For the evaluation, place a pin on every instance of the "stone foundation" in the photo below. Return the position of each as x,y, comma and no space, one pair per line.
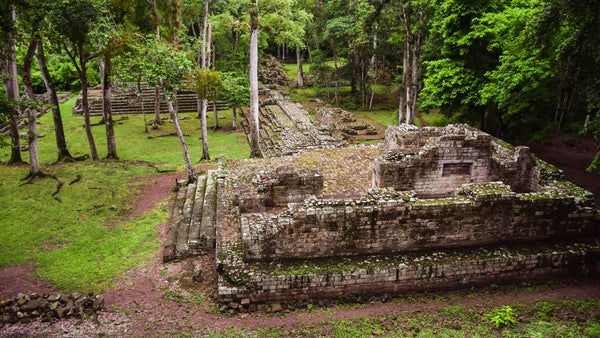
449,207
433,270
380,223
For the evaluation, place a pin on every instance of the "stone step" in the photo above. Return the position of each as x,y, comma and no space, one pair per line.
208,223
169,252
181,246
192,227
195,245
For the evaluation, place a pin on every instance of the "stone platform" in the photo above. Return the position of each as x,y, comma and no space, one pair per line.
323,223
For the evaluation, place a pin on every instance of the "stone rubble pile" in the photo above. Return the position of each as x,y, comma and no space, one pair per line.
28,307
344,122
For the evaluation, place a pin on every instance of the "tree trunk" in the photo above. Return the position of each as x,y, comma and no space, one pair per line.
111,144
234,123
82,72
208,45
141,98
34,161
61,142
373,67
215,115
401,105
186,155
299,63
335,68
406,71
204,33
157,120
156,22
204,129
254,127
416,54
11,87
155,17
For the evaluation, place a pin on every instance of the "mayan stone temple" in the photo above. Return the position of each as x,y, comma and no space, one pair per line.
431,208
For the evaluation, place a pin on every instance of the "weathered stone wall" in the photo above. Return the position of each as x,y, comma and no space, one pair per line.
482,214
422,271
436,161
285,185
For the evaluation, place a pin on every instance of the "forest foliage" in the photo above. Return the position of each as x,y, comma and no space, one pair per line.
518,69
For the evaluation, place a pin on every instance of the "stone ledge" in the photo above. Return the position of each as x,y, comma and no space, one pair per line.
431,270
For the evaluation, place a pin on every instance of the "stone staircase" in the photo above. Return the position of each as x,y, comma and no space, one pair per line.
193,219
286,128
127,102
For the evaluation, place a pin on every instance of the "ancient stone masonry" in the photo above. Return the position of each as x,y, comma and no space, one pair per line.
477,211
343,122
431,208
435,161
127,102
271,72
286,127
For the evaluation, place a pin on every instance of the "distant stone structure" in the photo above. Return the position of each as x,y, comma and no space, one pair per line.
343,122
447,208
126,101
286,127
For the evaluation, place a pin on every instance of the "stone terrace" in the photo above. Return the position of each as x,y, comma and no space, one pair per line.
345,238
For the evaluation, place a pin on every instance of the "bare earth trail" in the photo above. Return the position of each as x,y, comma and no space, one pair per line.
163,299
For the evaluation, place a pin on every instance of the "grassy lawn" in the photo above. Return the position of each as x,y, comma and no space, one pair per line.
79,242
133,143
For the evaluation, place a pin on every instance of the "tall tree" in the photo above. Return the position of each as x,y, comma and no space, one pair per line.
8,59
73,21
59,132
204,102
34,161
254,127
457,60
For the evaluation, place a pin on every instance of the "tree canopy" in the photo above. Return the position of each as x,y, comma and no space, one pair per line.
519,69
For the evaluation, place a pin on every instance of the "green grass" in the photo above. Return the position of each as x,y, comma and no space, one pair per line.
133,143
448,321
77,243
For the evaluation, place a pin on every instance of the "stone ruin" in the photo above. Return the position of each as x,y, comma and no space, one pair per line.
432,208
126,101
286,127
271,72
343,122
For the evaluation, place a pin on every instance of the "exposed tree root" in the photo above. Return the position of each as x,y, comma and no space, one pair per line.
165,135
58,187
77,179
71,159
111,191
29,180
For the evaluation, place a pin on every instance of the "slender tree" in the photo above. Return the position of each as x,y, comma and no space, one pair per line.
8,59
61,141
254,128
34,161
73,21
